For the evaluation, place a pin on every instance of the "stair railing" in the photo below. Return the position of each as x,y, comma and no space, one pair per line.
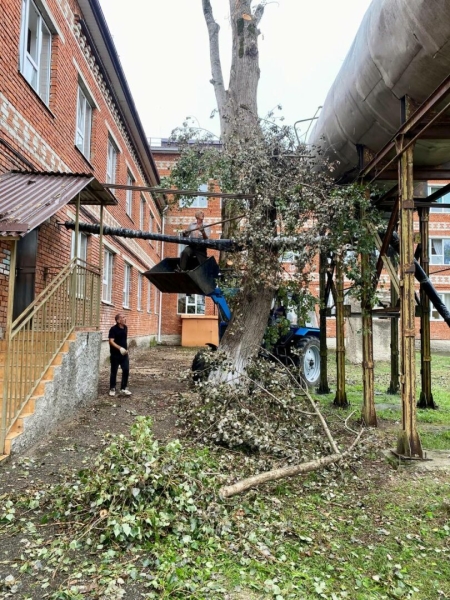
71,300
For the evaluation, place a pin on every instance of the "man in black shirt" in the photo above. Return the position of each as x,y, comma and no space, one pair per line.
119,355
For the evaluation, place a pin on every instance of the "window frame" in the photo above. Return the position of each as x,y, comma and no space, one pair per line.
126,285
198,201
149,297
107,275
446,302
139,292
196,304
129,195
445,242
142,207
111,161
40,78
431,190
85,131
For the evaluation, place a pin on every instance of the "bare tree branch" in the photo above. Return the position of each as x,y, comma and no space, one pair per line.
275,474
216,66
258,14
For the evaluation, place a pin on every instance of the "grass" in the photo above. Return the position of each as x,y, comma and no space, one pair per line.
364,531
433,425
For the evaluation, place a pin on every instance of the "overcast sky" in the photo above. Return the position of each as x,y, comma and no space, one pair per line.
163,48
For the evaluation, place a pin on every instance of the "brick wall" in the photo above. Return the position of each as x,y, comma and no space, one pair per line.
45,137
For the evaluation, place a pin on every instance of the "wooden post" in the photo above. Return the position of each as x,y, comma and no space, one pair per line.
409,441
323,385
74,278
426,395
341,395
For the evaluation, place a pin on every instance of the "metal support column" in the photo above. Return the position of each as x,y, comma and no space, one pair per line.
368,413
426,395
100,267
323,385
394,385
409,441
341,395
9,320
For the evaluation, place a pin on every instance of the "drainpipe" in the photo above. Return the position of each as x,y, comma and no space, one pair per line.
163,222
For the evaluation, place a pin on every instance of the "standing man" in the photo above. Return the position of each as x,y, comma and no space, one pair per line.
195,230
118,347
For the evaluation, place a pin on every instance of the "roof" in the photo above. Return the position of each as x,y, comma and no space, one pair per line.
27,199
99,35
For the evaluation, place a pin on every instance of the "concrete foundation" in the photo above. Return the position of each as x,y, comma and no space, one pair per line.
381,340
75,382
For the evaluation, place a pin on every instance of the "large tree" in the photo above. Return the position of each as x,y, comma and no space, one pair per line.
292,202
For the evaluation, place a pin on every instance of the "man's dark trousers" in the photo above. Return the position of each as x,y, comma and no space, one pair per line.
116,362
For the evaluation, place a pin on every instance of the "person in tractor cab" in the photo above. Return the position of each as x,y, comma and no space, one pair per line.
195,230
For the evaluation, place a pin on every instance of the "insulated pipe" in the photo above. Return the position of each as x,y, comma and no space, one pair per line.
225,245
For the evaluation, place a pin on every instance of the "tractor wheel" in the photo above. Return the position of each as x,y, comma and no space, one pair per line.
200,365
309,360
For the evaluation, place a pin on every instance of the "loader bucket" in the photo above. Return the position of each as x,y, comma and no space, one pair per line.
200,280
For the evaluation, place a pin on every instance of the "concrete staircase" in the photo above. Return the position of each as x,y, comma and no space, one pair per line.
29,408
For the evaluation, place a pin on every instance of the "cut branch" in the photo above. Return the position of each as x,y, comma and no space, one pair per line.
275,474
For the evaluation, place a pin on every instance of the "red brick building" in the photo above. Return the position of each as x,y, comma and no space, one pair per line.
68,130
65,106
177,309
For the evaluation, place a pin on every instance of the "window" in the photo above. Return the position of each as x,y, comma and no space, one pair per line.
142,214
129,197
35,50
192,304
139,292
84,120
158,243
111,162
126,285
82,246
197,201
440,251
149,297
289,257
157,299
445,297
108,261
151,223
443,200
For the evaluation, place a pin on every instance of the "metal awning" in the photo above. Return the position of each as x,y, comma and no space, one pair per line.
27,199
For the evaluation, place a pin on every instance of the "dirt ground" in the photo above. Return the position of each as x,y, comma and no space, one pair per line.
155,383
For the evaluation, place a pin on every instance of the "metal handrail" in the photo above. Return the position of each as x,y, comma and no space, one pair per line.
37,335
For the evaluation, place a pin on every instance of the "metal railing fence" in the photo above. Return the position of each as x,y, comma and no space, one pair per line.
71,300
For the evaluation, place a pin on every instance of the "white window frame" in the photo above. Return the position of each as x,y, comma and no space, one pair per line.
194,304
149,297
444,199
129,195
439,259
111,161
139,292
142,207
82,246
198,201
107,277
84,123
126,285
36,51
445,297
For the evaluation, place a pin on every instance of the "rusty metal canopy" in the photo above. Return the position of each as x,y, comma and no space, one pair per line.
27,199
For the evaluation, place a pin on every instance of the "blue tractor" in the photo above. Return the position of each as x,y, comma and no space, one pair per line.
298,347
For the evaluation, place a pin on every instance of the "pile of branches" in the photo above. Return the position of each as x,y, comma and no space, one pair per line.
270,415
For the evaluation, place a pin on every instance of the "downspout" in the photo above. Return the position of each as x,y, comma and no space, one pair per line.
163,222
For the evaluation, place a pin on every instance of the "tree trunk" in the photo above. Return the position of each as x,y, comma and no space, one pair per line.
238,111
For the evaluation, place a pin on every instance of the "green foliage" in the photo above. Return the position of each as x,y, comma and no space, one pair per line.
137,490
